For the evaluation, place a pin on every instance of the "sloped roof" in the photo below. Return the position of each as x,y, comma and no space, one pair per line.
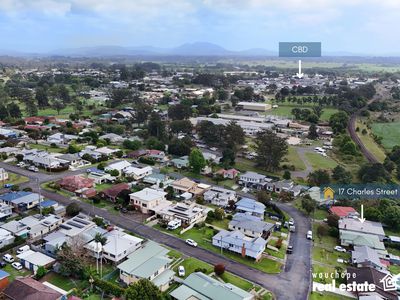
29,289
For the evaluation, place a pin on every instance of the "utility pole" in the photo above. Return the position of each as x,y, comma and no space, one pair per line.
40,198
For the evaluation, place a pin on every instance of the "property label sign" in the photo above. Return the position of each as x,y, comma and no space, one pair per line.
300,49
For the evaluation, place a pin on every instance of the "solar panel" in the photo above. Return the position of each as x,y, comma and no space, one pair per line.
81,221
75,224
65,227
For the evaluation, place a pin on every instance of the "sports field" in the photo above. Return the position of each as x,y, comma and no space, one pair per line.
390,133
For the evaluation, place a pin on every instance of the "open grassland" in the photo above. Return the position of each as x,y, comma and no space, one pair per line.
390,133
318,161
369,142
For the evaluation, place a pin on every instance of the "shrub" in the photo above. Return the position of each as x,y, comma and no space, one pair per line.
279,243
219,269
109,287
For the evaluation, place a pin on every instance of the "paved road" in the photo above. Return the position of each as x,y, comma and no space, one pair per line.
291,284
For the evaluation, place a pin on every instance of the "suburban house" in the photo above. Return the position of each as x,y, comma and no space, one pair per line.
201,286
137,173
6,238
158,179
61,138
99,176
157,155
5,211
75,182
350,238
366,227
219,196
179,163
113,138
251,206
185,185
364,256
151,262
251,226
252,180
32,260
147,199
237,242
283,186
21,201
344,211
91,151
43,159
230,173
24,287
119,166
187,213
113,192
105,151
118,246
74,160
371,276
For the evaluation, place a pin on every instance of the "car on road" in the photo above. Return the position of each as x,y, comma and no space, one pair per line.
190,242
340,249
289,249
17,265
181,271
33,169
309,235
8,258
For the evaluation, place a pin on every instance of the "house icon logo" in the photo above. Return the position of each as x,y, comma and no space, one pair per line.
389,283
328,193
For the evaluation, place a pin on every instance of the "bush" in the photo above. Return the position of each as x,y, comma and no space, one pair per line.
202,270
334,232
219,269
279,243
109,287
41,271
229,217
73,209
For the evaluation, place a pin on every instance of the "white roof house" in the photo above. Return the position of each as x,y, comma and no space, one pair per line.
119,166
138,173
147,199
33,260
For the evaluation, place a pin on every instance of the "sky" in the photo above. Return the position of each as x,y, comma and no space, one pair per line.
356,26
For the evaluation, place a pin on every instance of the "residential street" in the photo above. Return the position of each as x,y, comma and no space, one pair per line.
298,264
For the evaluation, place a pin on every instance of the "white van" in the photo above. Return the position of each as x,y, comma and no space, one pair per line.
309,235
23,249
174,224
8,258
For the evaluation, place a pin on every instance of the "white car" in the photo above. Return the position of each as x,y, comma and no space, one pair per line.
8,258
309,235
191,242
181,271
340,249
17,265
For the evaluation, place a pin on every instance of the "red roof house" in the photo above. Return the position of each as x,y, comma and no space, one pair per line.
343,211
76,182
231,173
113,192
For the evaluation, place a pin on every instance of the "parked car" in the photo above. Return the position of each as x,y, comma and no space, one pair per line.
2,264
191,242
292,228
33,169
309,235
291,222
181,271
8,258
289,249
340,249
23,249
17,265
8,185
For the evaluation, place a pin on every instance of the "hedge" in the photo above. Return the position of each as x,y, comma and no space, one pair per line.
109,287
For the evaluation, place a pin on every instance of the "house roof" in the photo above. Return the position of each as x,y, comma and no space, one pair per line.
184,183
249,222
365,254
145,261
76,181
362,239
116,189
239,239
148,194
36,258
28,288
364,227
250,205
201,286
342,211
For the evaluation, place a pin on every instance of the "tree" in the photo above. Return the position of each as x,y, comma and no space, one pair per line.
99,238
143,289
219,269
333,220
73,209
219,214
58,106
370,173
322,230
181,126
179,112
287,175
312,132
196,160
373,214
391,217
31,108
40,272
14,110
308,204
132,145
338,121
156,126
270,150
319,177
264,197
41,97
340,175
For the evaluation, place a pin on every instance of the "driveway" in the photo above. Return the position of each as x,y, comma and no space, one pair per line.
301,151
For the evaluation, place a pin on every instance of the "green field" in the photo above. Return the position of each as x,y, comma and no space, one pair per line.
327,296
293,158
16,179
390,133
285,109
369,142
318,161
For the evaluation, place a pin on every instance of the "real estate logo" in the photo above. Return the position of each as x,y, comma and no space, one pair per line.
328,193
389,283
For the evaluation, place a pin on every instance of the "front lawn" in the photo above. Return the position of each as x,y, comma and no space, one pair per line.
318,161
223,224
15,273
16,179
237,281
329,257
65,283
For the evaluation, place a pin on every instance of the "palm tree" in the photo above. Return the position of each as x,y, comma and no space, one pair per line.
99,238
